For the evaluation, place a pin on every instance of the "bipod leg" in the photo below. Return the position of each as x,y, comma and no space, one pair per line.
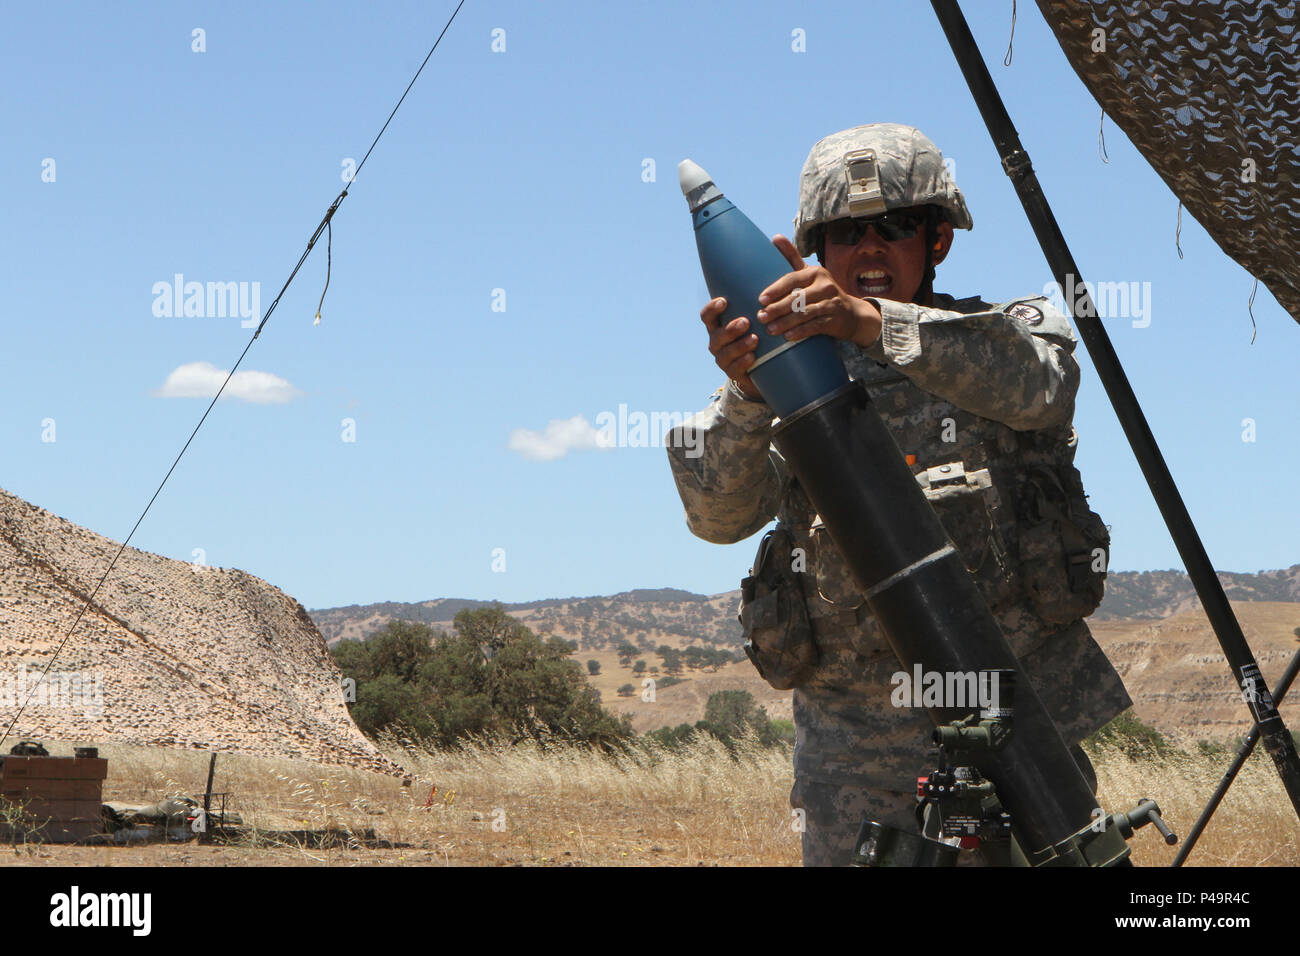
1243,754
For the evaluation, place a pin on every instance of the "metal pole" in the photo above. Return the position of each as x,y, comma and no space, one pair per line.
1243,754
1277,740
207,801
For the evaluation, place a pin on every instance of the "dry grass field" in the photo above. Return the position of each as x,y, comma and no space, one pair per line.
504,806
1254,826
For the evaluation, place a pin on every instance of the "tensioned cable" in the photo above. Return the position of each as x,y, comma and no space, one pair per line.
324,224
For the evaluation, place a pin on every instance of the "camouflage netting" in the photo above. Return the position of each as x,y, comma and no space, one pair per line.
1210,95
168,654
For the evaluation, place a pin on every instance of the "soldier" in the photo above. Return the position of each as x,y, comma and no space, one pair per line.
980,398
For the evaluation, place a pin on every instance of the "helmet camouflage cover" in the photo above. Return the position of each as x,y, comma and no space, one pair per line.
868,170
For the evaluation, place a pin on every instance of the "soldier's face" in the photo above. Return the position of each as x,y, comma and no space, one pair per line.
881,269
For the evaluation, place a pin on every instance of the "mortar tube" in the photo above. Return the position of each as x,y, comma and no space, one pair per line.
931,611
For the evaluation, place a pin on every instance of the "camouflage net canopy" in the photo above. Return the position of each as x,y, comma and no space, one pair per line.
1210,95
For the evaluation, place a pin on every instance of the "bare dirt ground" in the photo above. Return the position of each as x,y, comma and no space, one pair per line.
518,806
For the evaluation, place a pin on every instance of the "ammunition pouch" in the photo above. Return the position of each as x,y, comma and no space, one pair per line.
1064,545
773,617
968,505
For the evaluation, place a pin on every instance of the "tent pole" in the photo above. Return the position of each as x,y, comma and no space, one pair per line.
1246,675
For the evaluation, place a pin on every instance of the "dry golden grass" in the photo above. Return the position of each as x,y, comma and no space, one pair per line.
520,805
494,805
1254,825
693,806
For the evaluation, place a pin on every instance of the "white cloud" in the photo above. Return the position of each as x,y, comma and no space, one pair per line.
557,439
202,379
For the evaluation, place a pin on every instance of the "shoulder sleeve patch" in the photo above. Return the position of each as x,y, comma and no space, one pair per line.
1029,314
1040,317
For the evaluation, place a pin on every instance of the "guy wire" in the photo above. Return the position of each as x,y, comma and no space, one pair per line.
324,225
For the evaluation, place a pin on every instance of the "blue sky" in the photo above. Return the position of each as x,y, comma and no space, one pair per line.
522,171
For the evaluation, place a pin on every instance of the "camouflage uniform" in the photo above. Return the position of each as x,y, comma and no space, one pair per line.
982,396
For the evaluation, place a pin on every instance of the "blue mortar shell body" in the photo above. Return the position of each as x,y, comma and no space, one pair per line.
739,262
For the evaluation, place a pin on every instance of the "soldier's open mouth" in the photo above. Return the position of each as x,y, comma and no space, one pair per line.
874,282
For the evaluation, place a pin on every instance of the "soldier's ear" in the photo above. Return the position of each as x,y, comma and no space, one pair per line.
943,240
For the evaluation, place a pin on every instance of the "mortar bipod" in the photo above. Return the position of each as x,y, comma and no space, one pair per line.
958,807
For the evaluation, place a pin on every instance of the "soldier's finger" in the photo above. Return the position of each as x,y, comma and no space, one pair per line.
721,335
728,354
796,311
710,313
787,249
801,300
784,286
739,370
810,325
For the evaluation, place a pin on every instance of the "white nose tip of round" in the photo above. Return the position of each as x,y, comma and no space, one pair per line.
691,176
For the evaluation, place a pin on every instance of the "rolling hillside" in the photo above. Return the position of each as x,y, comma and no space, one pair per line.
1150,625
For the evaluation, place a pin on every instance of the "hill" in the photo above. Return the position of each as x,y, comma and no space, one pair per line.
1153,595
1150,625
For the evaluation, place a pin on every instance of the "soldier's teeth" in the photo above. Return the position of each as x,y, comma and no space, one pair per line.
874,281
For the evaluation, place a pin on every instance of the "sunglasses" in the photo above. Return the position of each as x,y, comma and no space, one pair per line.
891,227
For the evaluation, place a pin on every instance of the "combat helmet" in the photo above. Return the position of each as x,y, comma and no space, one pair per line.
868,170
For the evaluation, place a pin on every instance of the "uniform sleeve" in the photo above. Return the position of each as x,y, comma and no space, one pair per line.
1014,364
729,480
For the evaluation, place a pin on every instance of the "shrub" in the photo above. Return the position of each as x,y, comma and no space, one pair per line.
491,676
1127,734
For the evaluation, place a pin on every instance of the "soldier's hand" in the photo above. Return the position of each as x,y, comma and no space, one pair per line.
808,302
732,345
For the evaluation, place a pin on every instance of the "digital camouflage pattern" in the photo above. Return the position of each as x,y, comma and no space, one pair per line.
963,386
827,808
828,835
911,172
